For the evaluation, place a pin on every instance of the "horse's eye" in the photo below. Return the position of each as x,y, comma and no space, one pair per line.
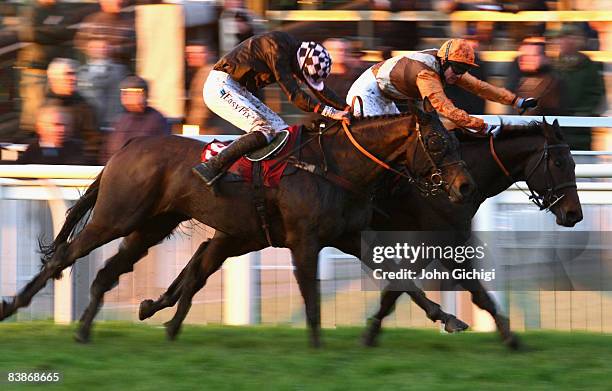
559,163
435,144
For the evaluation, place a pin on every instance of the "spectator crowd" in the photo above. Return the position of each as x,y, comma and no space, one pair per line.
80,100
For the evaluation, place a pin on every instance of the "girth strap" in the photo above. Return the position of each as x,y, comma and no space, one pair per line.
259,199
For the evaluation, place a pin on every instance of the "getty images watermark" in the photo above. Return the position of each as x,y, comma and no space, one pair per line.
453,256
501,260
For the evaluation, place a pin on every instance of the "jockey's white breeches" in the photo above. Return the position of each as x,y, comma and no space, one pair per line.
374,102
235,104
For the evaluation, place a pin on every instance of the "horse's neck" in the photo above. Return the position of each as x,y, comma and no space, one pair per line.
385,138
514,153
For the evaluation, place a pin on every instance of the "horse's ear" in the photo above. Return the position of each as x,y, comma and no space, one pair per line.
552,132
427,106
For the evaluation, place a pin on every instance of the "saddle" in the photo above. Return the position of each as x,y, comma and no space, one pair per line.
271,168
270,150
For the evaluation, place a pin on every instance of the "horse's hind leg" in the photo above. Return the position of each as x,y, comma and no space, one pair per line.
170,297
91,237
387,306
219,248
133,248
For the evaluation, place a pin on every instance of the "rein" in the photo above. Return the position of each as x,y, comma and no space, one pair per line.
373,158
500,164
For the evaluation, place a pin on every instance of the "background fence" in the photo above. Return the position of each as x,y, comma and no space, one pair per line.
259,287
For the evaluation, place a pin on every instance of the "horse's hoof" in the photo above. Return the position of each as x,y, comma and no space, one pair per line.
82,336
513,341
316,343
5,310
370,336
2,305
145,311
369,339
454,325
171,330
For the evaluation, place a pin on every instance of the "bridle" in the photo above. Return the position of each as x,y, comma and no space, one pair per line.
427,186
550,196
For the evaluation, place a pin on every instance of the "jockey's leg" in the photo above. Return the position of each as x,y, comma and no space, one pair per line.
374,102
212,169
237,105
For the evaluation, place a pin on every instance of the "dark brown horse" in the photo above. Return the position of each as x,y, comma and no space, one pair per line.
147,189
535,153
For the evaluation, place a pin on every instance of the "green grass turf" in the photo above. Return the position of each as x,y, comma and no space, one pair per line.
126,356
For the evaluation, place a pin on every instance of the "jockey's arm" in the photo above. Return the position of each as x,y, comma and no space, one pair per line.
486,90
329,97
297,96
430,86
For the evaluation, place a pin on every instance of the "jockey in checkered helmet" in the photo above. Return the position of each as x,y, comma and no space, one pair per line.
231,88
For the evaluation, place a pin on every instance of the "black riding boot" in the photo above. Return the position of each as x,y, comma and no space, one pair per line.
211,170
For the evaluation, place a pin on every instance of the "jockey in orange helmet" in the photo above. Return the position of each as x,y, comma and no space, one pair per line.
424,74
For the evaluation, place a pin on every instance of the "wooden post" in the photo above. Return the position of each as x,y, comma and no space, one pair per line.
484,221
63,298
241,290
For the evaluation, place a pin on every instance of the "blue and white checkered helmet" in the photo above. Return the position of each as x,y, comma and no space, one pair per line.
315,63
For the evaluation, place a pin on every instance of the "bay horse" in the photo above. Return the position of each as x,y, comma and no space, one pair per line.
147,189
535,153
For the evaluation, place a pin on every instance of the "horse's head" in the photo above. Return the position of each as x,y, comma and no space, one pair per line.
550,174
436,158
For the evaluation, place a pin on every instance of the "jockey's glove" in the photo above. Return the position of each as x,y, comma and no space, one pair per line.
526,103
338,115
493,130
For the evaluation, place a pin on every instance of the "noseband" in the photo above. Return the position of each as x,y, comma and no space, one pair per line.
550,196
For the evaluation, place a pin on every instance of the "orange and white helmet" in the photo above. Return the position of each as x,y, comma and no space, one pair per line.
457,50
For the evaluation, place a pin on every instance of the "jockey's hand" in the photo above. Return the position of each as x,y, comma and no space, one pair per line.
339,115
526,103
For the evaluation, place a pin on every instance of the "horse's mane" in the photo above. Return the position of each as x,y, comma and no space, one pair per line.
384,119
383,116
510,131
358,122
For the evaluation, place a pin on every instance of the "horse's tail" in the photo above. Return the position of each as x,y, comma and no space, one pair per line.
74,216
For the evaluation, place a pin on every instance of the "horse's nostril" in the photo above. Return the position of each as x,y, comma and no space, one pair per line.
465,189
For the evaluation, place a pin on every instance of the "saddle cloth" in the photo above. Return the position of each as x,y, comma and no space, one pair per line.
242,169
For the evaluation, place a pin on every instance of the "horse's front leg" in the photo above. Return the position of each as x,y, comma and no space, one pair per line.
483,299
305,258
